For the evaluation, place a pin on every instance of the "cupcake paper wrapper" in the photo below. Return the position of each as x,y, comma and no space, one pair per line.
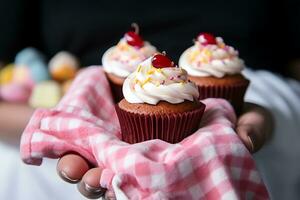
171,128
234,94
116,91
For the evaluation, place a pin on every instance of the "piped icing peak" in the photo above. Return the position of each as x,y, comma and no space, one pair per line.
150,84
210,56
122,59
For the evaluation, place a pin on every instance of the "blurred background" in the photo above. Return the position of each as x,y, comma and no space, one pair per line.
265,32
260,30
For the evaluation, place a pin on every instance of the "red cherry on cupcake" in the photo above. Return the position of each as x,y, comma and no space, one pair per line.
161,61
208,38
133,38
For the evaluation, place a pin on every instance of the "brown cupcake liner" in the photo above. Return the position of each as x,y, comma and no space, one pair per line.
116,90
234,94
171,128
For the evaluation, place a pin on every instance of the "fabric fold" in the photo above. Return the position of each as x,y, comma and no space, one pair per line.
212,163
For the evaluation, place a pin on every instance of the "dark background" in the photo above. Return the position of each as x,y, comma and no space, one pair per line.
265,32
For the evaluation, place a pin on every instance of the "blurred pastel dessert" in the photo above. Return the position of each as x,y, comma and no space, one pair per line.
6,74
35,61
39,71
22,76
28,55
63,66
29,69
45,95
216,68
14,92
159,103
121,60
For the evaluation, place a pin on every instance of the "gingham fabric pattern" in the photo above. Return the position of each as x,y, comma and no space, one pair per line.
210,164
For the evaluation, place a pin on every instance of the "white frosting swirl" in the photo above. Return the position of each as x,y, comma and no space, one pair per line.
151,85
211,60
123,59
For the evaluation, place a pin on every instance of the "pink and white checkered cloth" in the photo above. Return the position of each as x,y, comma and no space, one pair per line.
210,164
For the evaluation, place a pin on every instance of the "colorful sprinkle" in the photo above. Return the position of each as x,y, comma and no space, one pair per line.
146,81
193,55
221,45
163,74
134,56
207,52
158,70
139,68
150,72
123,47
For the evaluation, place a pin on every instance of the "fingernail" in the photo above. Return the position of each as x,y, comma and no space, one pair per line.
65,177
92,189
89,191
251,143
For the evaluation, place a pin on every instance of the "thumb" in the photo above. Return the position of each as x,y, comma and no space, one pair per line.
252,133
254,126
243,132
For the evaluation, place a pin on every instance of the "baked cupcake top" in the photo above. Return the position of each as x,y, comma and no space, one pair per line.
158,79
210,56
122,59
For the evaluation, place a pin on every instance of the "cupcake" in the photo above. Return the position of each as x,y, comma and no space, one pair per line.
63,66
121,60
6,74
159,103
33,61
216,68
15,93
45,95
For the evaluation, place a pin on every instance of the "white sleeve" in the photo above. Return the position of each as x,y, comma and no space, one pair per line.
279,160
